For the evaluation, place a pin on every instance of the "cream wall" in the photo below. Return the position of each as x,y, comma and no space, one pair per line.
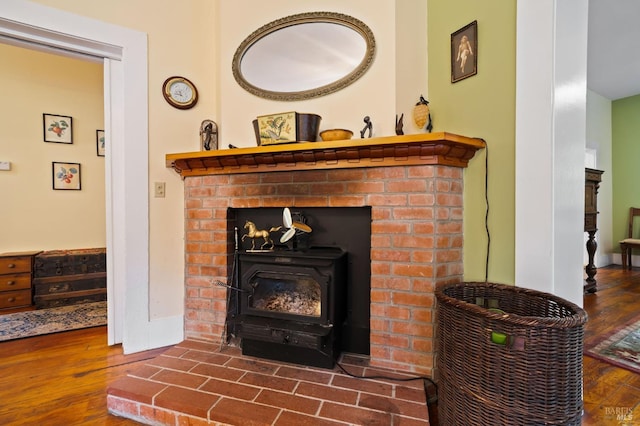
380,93
197,39
34,216
181,41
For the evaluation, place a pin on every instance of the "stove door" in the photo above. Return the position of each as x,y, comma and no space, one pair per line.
290,293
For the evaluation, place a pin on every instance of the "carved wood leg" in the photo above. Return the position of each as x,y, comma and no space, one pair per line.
592,246
623,252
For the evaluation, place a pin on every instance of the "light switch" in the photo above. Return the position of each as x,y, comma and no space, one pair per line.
158,189
5,165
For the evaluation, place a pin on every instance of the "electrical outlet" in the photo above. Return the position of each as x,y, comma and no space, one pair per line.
5,165
158,189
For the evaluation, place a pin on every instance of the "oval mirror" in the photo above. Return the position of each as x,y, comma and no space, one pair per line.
304,56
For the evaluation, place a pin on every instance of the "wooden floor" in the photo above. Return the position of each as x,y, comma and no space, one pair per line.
609,390
61,379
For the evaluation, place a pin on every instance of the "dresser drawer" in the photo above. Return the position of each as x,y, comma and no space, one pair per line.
15,264
15,282
14,299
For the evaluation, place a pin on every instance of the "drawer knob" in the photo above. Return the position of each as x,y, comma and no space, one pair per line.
11,282
11,265
11,299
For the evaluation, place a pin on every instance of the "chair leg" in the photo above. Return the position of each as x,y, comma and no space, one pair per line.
623,253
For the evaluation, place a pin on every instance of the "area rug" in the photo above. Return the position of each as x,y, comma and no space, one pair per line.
52,320
621,348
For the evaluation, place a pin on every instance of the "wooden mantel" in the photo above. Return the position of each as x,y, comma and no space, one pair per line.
419,149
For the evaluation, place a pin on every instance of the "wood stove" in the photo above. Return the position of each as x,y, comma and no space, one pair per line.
291,304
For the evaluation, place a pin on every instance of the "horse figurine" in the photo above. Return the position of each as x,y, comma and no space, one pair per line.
253,233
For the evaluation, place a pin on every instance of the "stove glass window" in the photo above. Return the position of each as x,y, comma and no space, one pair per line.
291,294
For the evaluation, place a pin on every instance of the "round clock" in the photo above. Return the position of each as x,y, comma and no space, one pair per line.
180,92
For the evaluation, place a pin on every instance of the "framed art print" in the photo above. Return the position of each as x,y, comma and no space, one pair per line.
57,128
66,175
277,128
100,143
464,52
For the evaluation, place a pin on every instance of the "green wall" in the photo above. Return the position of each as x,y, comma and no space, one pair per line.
625,129
480,106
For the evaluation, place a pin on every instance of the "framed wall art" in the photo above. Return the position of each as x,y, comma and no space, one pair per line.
66,175
57,128
100,143
464,52
277,128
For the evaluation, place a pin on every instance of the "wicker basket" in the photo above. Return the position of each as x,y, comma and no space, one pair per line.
508,356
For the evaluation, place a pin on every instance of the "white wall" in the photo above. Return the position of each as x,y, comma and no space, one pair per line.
599,139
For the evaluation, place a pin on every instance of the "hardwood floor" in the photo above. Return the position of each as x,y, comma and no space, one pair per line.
61,379
609,390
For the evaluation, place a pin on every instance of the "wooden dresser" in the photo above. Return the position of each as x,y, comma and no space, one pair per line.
15,279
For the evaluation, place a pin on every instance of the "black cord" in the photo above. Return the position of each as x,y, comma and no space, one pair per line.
431,401
486,215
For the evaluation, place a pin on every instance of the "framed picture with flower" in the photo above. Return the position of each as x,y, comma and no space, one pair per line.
57,128
100,143
66,175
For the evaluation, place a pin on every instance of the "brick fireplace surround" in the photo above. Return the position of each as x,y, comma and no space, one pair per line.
414,187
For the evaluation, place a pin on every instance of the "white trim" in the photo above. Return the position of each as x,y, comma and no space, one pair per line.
126,162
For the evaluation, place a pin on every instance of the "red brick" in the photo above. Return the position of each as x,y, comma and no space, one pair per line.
199,214
421,171
391,227
184,420
413,358
193,181
245,202
416,185
269,382
347,201
423,228
343,175
407,241
422,256
405,408
310,176
412,270
157,415
244,179
388,311
390,255
380,241
261,190
391,283
306,375
122,406
387,199
443,256
421,199
389,340
422,345
186,401
329,188
192,236
378,324
234,412
179,378
288,402
172,363
448,199
422,315
136,389
412,329
375,387
216,180
276,177
288,418
327,393
412,299
378,268
380,296
365,187
230,389
419,213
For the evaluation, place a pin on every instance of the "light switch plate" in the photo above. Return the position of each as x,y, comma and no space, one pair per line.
5,165
158,189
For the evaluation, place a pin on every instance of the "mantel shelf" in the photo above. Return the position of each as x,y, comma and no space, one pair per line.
406,150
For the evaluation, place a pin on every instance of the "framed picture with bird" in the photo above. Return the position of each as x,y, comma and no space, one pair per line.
464,52
277,128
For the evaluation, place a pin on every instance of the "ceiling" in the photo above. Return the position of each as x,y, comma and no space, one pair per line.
613,59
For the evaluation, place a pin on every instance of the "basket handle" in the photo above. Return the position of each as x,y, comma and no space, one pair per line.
511,342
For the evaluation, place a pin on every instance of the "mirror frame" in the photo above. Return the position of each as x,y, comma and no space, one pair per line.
310,17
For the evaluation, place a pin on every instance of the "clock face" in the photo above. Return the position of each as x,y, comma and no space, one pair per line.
180,92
